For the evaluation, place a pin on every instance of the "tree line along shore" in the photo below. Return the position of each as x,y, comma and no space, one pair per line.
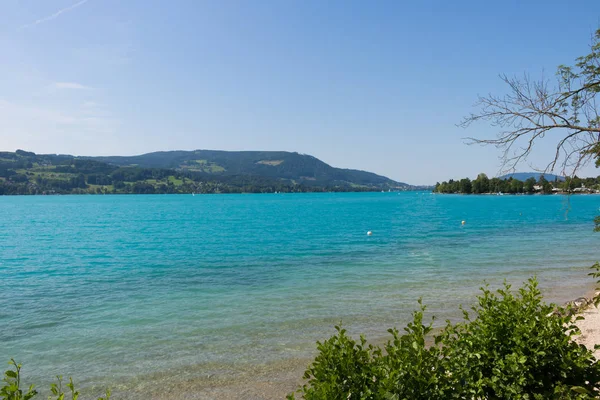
484,185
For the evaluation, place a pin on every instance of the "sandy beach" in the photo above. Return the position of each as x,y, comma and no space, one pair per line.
590,329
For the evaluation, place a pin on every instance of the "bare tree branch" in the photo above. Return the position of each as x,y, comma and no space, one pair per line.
533,110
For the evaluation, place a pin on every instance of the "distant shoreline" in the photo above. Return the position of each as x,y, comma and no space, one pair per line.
533,184
215,193
521,194
299,192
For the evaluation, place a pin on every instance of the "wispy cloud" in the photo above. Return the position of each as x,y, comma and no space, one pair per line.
70,85
26,113
55,15
52,128
36,119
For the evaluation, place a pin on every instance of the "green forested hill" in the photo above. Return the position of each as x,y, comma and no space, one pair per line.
273,164
201,171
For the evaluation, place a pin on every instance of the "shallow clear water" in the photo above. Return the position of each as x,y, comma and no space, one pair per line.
118,288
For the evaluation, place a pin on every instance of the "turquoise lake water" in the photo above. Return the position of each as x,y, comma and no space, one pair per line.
117,289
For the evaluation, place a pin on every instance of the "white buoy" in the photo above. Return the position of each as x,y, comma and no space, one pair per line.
369,233
463,222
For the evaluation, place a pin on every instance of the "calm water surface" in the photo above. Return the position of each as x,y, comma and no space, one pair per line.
117,289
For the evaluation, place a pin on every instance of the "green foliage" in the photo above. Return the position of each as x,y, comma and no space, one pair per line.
56,389
11,389
410,369
344,368
596,274
529,184
481,184
516,186
465,185
516,347
512,185
546,186
513,347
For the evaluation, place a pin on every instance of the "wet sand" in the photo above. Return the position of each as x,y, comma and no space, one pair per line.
258,382
273,380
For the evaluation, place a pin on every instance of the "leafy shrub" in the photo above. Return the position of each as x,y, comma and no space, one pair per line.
515,347
344,366
11,389
596,273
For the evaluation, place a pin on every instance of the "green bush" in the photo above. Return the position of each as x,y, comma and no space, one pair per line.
515,347
11,387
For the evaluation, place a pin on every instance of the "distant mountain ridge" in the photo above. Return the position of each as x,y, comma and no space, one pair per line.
283,165
523,176
198,171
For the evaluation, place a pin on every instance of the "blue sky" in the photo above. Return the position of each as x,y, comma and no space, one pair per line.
378,85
